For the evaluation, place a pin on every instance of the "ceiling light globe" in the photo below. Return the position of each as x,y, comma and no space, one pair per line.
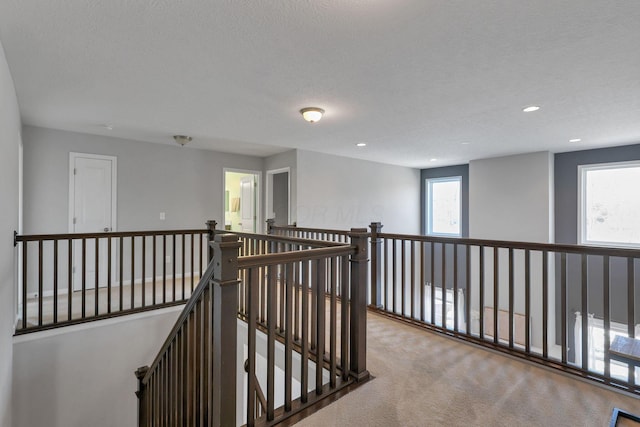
182,139
312,114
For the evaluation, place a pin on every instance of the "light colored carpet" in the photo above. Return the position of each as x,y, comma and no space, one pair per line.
62,300
423,379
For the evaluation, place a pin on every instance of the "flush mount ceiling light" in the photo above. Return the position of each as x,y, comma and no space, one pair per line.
312,114
182,139
575,140
530,108
361,144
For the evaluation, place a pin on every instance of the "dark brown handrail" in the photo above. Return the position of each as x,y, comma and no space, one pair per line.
75,236
550,247
48,259
310,229
477,281
186,311
281,239
197,361
293,256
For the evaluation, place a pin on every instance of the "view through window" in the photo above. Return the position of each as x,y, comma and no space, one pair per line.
609,205
443,199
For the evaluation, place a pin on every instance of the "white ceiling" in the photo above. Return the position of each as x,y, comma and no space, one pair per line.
414,79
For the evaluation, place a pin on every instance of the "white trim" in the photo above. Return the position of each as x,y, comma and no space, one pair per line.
581,232
114,196
258,175
17,301
269,191
428,182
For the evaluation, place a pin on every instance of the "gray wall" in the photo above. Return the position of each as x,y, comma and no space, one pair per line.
183,182
9,143
447,171
83,375
566,217
340,193
566,184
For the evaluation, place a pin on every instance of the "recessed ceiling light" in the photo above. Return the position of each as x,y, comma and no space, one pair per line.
433,160
530,108
575,140
361,144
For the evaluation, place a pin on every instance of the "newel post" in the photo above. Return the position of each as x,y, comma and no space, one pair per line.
376,266
270,223
211,228
358,318
224,310
142,398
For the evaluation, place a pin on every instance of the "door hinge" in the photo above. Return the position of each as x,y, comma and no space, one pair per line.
75,171
74,220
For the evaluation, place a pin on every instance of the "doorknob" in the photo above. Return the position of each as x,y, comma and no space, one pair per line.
107,229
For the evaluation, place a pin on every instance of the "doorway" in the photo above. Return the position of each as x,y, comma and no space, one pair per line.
92,209
279,196
241,201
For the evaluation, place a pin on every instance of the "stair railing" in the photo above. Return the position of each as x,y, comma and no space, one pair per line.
194,378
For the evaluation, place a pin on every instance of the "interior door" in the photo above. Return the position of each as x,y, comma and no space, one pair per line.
280,198
248,204
93,206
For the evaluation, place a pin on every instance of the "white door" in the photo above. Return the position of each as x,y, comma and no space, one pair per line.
92,210
248,204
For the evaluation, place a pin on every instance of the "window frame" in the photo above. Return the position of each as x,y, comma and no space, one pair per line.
582,200
428,227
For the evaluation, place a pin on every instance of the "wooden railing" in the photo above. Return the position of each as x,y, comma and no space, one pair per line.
341,236
73,278
304,342
558,305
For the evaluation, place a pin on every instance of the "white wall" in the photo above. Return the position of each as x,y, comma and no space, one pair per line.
83,375
185,183
511,198
9,143
341,193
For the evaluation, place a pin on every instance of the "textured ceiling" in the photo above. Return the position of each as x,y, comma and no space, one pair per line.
414,79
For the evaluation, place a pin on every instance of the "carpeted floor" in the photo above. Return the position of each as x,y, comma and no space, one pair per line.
423,379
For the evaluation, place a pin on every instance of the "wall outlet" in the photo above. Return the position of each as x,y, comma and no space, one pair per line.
167,259
162,216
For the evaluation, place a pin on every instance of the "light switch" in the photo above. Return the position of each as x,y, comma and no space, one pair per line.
162,216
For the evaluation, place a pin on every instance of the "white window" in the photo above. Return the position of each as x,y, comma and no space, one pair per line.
444,206
609,205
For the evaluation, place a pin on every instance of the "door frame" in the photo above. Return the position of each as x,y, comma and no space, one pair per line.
258,175
114,188
114,209
269,190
